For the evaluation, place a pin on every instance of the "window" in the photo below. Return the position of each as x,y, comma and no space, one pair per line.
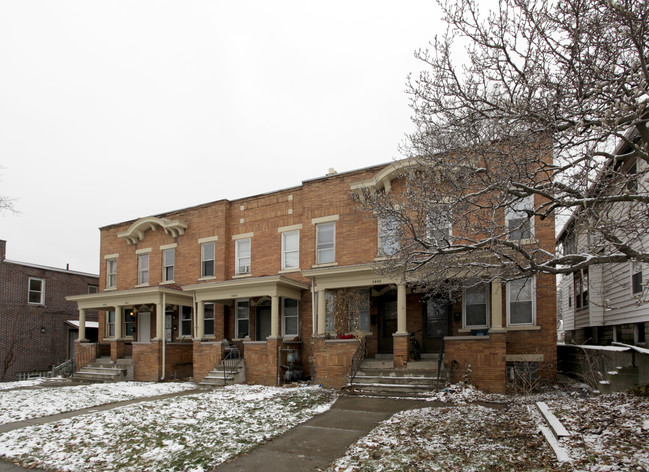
325,235
438,225
636,278
290,250
243,256
129,319
519,224
243,318
520,302
143,269
329,312
111,273
36,291
207,260
110,324
632,172
580,284
475,306
93,289
388,235
185,321
208,319
168,261
362,301
289,316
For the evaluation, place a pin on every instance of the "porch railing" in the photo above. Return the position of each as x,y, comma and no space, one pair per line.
231,361
440,361
83,357
359,357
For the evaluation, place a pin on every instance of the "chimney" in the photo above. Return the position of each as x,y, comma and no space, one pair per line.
332,171
3,249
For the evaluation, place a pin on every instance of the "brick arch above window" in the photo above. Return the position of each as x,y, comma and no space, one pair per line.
135,233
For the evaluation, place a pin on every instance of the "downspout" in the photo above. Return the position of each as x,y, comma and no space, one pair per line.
195,315
164,333
314,328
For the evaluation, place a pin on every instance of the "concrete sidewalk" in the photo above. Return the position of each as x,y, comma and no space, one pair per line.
312,445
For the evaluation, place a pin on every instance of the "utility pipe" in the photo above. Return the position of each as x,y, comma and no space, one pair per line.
164,333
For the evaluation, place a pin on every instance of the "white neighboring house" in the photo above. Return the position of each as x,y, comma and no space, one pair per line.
608,302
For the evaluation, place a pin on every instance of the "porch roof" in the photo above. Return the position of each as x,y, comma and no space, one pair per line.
135,296
362,275
272,285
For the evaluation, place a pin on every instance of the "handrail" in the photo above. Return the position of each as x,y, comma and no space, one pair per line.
84,356
359,357
231,361
440,360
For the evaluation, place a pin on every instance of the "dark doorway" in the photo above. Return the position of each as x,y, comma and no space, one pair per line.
387,323
262,321
436,323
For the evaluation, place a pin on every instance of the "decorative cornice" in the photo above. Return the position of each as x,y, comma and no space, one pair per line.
136,231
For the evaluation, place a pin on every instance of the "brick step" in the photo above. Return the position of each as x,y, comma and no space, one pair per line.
401,380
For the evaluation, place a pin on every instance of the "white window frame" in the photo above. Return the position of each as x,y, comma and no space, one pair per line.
487,292
205,260
512,298
285,316
636,269
111,273
241,268
207,318
286,252
515,210
442,225
323,248
384,234
143,263
40,292
128,323
110,325
166,265
184,316
238,317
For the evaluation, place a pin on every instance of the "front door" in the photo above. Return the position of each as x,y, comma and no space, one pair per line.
387,324
263,323
437,318
144,327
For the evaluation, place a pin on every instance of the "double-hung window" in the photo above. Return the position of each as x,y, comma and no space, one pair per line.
388,235
207,259
290,316
475,304
580,285
111,273
243,318
520,302
185,321
290,250
110,324
143,269
242,256
636,278
36,291
208,319
519,223
129,322
438,226
325,236
168,263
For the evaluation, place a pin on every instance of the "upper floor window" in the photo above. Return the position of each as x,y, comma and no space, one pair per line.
111,273
291,250
388,235
243,319
242,256
520,302
208,319
632,172
475,306
93,289
325,237
143,269
36,291
290,316
519,223
438,225
168,262
636,277
580,286
207,260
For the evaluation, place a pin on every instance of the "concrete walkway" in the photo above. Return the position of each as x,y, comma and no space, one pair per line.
310,446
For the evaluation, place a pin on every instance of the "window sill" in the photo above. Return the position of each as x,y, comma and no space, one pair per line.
168,282
472,328
110,289
324,264
241,276
211,277
524,241
523,328
142,285
289,271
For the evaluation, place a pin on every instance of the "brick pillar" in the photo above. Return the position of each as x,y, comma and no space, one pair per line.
400,349
207,355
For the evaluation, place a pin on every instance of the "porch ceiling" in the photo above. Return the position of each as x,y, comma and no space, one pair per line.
138,296
275,285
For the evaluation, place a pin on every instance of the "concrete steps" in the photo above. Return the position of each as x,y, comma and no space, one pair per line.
105,370
221,376
378,377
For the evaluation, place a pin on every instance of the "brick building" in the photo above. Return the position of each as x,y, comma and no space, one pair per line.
177,289
38,326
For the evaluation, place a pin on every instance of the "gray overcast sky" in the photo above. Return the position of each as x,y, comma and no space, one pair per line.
112,110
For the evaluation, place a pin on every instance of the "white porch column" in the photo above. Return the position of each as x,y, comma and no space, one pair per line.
401,309
82,325
159,320
274,317
496,304
322,312
200,320
118,322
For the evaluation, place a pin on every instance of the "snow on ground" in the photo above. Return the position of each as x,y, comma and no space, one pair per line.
195,432
20,405
20,384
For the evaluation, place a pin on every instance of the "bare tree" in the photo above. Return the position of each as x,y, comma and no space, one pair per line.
6,203
535,110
